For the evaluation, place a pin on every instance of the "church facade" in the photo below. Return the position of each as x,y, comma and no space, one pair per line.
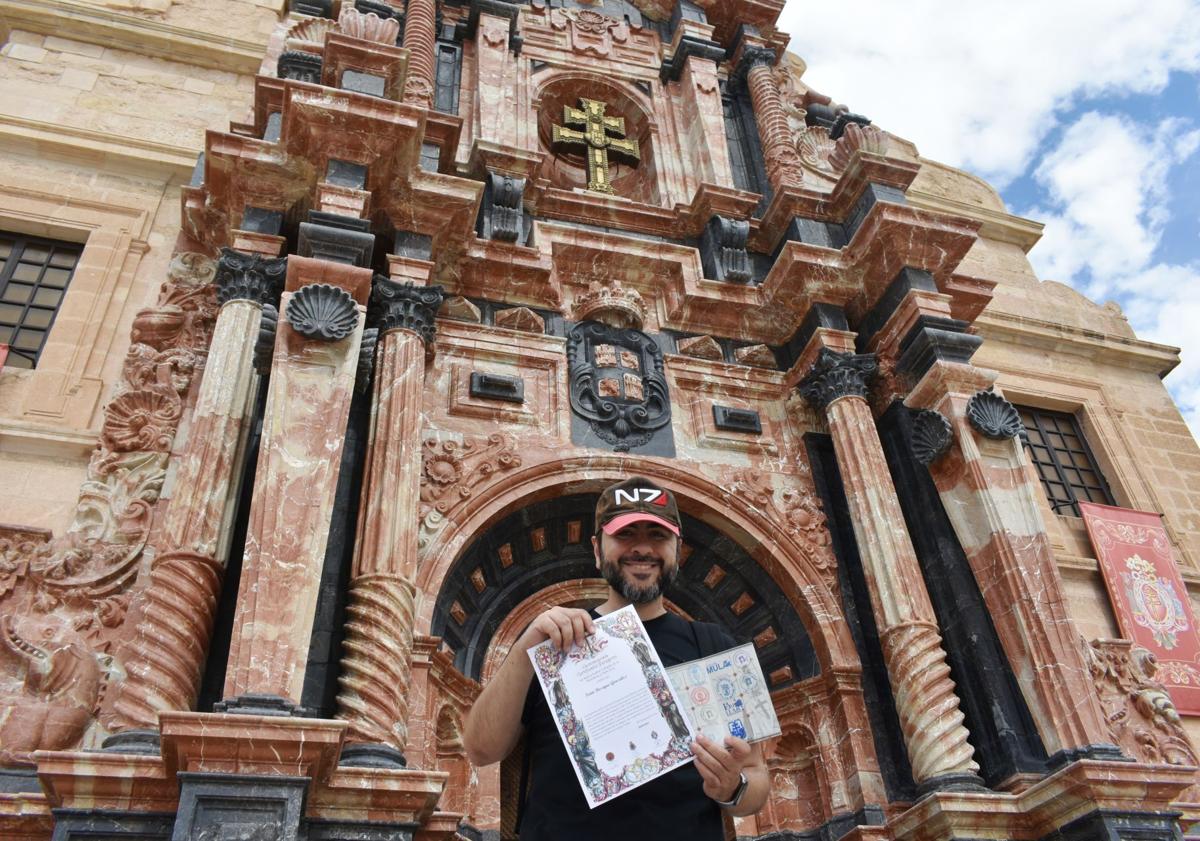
298,436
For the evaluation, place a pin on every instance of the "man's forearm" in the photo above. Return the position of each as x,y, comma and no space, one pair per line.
758,786
494,723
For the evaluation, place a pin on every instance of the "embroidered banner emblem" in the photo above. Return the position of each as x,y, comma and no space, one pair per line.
1148,595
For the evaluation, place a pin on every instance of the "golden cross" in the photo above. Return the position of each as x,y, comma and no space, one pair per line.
595,137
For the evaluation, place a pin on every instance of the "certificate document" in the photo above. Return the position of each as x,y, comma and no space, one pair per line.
615,709
725,695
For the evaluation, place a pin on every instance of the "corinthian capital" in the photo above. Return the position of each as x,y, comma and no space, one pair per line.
837,375
404,306
249,277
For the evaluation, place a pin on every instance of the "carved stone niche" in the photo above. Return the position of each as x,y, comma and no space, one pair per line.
619,393
566,167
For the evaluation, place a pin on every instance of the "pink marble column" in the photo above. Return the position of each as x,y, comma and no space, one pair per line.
991,496
166,657
926,703
420,36
312,381
779,151
374,683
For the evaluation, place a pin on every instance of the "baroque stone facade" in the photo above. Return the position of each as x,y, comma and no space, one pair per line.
321,421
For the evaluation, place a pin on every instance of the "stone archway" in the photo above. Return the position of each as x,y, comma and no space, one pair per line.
548,543
758,527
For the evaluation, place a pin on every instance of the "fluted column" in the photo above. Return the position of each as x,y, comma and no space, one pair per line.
373,694
930,717
779,152
304,425
164,666
420,36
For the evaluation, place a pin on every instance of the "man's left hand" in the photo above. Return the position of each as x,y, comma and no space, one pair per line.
720,766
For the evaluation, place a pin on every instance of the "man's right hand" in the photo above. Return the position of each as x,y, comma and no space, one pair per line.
565,626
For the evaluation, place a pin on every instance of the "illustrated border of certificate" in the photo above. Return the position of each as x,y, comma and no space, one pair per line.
599,787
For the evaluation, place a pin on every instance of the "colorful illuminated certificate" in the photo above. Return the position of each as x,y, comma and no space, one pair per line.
725,695
614,706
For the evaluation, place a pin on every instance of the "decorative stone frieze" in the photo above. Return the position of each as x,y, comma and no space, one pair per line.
931,436
404,306
837,375
994,417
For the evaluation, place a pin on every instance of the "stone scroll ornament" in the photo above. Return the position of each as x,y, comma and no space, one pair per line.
617,383
994,417
64,601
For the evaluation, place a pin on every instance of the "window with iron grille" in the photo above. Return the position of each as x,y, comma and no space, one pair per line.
34,274
1063,461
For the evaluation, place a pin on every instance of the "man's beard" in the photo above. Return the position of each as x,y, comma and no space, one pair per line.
632,592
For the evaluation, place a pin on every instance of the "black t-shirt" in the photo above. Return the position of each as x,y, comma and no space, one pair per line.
671,806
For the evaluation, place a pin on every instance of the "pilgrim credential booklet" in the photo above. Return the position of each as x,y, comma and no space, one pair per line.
725,695
615,708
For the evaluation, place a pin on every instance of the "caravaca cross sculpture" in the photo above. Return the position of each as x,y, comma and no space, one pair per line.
596,138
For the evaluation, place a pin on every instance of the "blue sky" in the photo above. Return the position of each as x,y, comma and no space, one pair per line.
1084,114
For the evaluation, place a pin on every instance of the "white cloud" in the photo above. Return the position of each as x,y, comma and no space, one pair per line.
1107,185
978,84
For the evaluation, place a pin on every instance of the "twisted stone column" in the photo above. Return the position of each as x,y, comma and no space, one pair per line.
170,644
420,35
373,694
304,425
779,152
912,646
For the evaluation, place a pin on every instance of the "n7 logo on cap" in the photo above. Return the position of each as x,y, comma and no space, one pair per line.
650,495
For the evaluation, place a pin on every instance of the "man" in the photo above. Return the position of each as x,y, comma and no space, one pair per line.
637,549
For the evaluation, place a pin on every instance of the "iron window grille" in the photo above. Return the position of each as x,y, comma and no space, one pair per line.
1063,461
34,275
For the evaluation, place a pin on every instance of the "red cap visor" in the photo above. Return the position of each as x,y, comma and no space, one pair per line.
617,523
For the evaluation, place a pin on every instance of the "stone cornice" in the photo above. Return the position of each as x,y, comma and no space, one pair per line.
994,225
93,24
1033,332
97,148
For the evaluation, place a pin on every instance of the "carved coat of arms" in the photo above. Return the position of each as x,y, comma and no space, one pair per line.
617,384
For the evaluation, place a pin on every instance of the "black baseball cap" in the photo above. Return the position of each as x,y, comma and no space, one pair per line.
636,500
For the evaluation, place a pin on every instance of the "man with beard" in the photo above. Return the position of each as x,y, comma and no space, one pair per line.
637,550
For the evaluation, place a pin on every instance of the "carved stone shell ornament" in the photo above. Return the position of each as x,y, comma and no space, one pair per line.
931,436
994,417
322,312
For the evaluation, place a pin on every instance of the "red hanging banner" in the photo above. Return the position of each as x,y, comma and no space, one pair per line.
1148,595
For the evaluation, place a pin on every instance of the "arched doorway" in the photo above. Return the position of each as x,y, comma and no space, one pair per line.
549,542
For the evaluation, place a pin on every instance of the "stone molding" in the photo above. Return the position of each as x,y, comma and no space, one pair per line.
93,24
837,375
